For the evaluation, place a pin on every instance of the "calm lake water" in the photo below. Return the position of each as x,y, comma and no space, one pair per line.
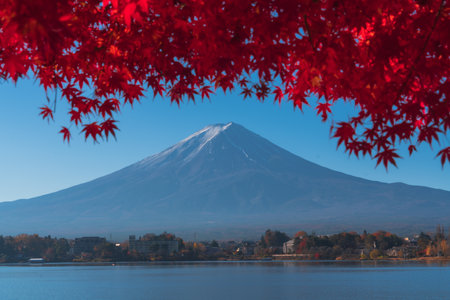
229,280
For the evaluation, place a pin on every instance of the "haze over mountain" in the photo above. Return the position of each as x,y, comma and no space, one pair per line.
225,181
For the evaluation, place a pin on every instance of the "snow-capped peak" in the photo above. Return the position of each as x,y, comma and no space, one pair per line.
193,143
204,136
209,132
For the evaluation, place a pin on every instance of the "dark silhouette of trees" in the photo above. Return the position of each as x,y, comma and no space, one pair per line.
274,238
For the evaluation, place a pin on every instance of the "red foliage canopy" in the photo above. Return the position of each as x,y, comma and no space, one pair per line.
391,59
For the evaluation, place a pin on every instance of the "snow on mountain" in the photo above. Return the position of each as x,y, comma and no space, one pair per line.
193,143
226,179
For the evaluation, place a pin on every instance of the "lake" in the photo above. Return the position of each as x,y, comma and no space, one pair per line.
229,280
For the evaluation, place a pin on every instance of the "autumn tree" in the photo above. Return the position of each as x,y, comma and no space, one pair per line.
375,254
274,238
423,241
440,233
390,59
345,240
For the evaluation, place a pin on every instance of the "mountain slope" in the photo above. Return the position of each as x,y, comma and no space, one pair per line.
224,177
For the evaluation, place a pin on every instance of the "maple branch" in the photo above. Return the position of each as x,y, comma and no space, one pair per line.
308,31
363,56
421,52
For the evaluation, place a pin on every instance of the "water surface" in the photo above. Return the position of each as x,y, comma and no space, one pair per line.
229,280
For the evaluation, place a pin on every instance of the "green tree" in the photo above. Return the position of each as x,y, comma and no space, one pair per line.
275,238
345,240
423,241
374,254
62,247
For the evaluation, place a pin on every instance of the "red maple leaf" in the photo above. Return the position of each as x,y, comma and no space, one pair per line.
243,83
445,155
129,10
205,91
46,112
323,109
158,89
93,130
108,107
391,63
387,157
279,94
247,93
75,116
411,149
109,127
344,132
429,134
66,134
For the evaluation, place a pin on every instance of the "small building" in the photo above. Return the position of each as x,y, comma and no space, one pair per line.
412,242
395,252
87,244
289,247
248,248
364,251
152,246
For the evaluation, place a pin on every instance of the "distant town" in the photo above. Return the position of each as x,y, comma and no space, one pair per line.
273,244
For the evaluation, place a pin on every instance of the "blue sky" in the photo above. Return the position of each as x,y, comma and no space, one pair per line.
35,161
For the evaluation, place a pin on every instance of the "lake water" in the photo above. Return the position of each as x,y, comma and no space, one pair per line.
229,280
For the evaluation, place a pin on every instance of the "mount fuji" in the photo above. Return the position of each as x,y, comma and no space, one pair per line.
225,181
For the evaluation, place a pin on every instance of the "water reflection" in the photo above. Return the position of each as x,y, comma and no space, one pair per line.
230,280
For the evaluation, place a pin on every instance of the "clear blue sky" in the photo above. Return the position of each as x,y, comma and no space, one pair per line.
35,161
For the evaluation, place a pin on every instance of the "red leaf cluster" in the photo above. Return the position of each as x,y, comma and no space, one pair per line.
391,59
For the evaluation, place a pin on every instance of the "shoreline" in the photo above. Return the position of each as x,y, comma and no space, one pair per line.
387,261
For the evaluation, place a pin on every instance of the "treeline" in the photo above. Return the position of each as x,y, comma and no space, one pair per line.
438,245
165,236
345,245
351,245
24,246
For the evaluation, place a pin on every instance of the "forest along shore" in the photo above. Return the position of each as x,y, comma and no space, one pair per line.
273,245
